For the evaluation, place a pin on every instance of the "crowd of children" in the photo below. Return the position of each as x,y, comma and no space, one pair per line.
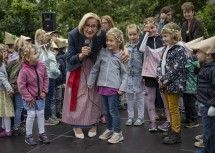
25,70
32,79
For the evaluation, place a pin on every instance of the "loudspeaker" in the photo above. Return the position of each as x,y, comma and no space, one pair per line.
49,21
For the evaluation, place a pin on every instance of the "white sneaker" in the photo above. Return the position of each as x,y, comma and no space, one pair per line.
116,138
55,118
50,121
106,135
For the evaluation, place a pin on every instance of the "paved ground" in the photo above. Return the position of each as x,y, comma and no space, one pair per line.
137,140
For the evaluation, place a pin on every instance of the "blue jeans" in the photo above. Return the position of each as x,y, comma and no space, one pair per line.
18,109
49,99
208,131
110,105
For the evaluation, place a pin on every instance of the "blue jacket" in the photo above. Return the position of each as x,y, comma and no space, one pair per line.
76,42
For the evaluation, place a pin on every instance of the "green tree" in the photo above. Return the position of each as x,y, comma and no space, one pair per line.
207,15
21,18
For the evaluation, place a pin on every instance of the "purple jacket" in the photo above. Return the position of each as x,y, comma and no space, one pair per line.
32,80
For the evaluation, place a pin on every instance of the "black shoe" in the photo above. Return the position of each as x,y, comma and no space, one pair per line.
185,121
172,138
18,131
166,134
191,124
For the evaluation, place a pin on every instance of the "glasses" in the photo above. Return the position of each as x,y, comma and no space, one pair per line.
104,22
93,27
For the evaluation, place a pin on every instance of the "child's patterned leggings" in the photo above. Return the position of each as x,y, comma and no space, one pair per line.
151,95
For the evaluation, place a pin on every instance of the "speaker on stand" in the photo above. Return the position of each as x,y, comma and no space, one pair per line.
49,21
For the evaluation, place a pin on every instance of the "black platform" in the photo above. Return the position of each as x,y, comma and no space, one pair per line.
137,140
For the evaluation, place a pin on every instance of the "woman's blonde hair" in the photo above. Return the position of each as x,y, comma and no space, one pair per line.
174,30
118,35
133,26
109,20
84,20
25,51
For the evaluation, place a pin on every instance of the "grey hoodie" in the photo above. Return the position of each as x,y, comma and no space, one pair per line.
110,70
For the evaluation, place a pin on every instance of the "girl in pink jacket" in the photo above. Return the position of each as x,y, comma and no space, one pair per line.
33,86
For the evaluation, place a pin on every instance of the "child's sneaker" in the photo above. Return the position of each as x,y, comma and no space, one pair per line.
116,138
18,131
50,121
199,137
138,122
164,127
106,135
199,144
30,140
4,134
55,118
191,124
153,127
43,138
129,122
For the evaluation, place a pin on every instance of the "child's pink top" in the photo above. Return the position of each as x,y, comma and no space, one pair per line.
32,80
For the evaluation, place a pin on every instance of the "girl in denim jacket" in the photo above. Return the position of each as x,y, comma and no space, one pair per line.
135,83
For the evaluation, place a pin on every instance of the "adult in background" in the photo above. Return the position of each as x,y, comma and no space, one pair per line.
165,17
82,107
192,28
107,22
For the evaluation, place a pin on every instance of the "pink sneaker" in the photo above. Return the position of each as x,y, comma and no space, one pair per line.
5,134
103,120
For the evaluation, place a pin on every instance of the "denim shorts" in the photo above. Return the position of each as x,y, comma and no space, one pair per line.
39,105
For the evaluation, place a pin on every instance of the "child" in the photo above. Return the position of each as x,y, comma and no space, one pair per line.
112,81
135,83
206,91
172,77
33,86
165,17
13,68
47,56
6,104
189,94
61,79
152,46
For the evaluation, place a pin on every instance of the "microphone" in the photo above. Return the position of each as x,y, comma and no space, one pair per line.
87,42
